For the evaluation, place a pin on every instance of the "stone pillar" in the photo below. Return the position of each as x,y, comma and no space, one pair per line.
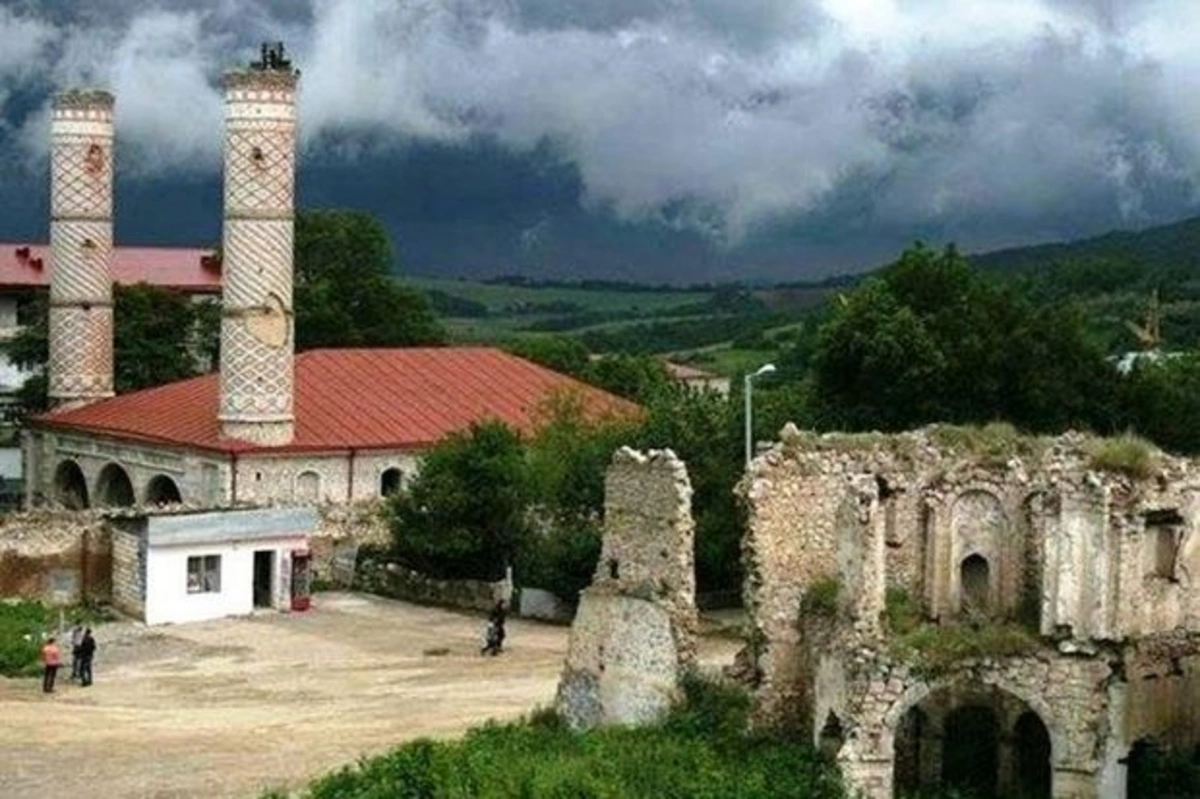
257,321
81,180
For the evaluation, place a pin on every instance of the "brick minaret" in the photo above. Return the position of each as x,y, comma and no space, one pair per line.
257,322
81,181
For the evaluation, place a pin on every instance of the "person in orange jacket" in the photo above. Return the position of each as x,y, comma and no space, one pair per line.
51,660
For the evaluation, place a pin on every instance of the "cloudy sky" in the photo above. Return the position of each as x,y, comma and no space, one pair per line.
691,139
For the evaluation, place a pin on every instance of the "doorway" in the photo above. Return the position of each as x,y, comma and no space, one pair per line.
264,571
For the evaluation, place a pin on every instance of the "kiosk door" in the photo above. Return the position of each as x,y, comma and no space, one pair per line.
301,579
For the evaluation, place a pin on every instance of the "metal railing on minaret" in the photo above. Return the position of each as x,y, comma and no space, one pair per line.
80,369
257,323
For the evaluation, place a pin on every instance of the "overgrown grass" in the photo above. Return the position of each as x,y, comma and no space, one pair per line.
935,649
821,598
702,750
994,444
1126,454
901,612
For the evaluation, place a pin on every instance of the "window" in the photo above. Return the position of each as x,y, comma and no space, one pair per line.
204,574
390,482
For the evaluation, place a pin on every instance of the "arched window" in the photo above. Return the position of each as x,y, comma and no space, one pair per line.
832,736
976,577
308,487
70,486
113,488
390,482
162,490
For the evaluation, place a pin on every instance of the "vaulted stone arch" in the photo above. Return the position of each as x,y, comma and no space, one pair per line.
70,486
162,490
114,489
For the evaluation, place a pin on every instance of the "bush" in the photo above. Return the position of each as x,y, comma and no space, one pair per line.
21,628
702,750
561,560
1127,454
936,648
901,612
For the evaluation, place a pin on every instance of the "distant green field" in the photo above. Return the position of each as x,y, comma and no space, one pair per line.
500,298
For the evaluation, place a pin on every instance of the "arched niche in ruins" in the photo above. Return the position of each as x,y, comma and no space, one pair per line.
114,488
70,486
975,577
980,528
308,487
162,490
975,738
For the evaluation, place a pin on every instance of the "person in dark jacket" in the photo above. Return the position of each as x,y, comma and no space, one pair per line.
76,640
87,651
495,631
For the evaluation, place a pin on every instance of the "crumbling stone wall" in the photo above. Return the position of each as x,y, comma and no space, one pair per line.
634,632
1097,561
58,557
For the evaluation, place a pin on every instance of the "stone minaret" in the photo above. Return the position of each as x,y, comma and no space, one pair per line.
81,313
257,320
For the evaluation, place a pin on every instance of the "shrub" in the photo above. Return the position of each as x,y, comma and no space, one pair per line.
21,628
902,613
821,598
1126,454
701,750
561,560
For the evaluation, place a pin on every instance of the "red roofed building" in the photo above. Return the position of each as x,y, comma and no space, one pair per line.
362,419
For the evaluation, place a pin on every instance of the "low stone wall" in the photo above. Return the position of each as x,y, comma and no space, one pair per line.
394,580
342,529
57,557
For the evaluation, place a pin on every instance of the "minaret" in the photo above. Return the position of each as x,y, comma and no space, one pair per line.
257,320
81,313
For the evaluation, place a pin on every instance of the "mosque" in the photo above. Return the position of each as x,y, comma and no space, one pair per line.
270,426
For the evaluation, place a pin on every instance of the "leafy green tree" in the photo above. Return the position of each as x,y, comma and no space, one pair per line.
562,354
345,294
464,516
1161,401
159,335
931,340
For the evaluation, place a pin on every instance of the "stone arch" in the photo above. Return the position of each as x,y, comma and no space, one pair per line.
70,486
391,480
308,486
832,736
114,489
980,525
162,490
964,722
917,692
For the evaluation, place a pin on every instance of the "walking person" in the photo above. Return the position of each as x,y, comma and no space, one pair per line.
495,635
87,651
51,660
76,640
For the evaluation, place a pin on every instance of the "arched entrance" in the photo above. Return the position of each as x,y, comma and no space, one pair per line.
113,488
972,740
70,486
390,482
162,490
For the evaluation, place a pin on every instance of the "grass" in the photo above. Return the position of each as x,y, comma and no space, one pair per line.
821,598
995,444
702,750
22,626
935,649
1126,454
902,613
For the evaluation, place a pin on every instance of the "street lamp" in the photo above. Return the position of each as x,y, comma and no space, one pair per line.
765,369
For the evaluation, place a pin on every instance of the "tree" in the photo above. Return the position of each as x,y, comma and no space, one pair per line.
1161,400
464,516
931,340
159,335
345,292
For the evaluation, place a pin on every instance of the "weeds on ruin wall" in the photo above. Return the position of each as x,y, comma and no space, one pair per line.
702,749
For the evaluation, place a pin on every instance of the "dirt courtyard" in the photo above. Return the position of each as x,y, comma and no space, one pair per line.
231,707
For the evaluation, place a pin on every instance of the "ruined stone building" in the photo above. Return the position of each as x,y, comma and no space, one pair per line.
1019,616
334,428
634,633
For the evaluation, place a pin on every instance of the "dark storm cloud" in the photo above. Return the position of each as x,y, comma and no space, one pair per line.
721,115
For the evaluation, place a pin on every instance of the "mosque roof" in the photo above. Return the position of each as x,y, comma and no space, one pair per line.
186,269
352,399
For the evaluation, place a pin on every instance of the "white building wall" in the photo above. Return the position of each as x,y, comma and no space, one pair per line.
167,597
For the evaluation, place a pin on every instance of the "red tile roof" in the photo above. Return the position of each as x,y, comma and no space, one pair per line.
28,266
352,399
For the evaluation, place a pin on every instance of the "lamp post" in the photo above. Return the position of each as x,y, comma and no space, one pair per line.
765,369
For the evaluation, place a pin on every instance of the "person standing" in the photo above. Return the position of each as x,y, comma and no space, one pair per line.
51,660
498,616
76,640
87,651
